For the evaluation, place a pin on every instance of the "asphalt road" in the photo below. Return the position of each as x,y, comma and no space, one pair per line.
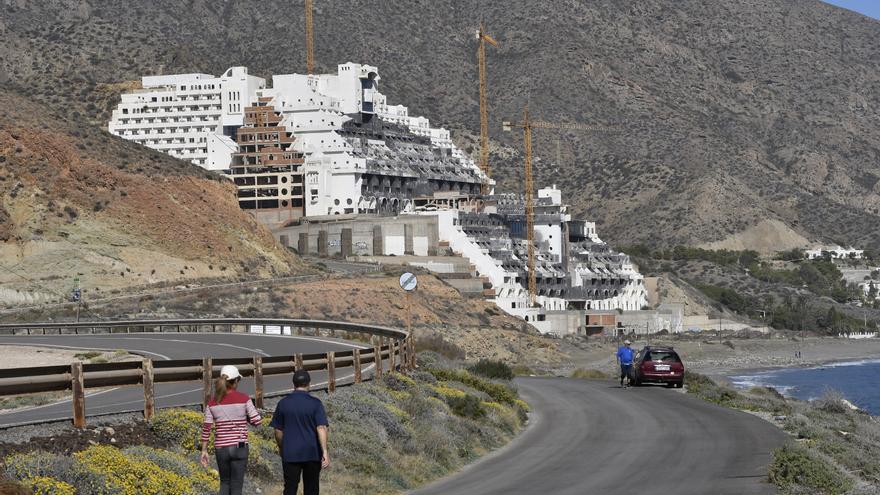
589,437
171,346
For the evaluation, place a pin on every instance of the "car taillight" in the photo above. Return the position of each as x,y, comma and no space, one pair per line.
647,365
677,367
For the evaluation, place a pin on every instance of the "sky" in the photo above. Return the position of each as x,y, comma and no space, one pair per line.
870,8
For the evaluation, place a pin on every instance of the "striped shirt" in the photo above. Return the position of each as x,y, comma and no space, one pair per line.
229,419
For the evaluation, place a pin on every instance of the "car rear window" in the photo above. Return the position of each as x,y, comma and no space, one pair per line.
663,357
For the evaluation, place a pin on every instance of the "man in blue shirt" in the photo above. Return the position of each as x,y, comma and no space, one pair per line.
625,358
300,424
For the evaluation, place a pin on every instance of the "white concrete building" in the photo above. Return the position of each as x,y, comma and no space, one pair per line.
360,154
181,114
836,252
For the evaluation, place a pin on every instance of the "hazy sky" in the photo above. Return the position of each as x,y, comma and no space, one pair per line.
870,8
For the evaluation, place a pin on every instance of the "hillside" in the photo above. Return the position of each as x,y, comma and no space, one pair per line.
76,202
732,116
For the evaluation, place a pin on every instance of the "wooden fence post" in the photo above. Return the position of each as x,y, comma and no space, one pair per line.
298,362
147,368
79,395
258,381
392,361
357,365
377,360
207,380
331,372
404,354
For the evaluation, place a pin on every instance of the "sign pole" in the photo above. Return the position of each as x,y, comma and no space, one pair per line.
409,282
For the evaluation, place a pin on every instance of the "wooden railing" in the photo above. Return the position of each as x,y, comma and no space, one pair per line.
391,346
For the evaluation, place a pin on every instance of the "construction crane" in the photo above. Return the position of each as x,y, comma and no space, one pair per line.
484,38
527,125
310,42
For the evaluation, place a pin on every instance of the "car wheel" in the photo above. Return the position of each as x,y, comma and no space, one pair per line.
670,384
679,384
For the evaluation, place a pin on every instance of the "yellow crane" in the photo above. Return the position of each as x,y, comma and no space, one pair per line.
310,42
527,125
484,38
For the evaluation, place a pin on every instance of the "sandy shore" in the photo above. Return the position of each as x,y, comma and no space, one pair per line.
715,358
15,356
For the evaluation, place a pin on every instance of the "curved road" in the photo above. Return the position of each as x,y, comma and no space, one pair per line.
589,437
166,346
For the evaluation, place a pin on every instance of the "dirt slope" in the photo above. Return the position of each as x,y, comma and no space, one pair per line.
76,202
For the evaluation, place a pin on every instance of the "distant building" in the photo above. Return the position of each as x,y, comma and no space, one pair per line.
311,145
835,252
179,114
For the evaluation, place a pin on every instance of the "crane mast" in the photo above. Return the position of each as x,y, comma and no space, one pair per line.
484,38
527,125
530,207
310,42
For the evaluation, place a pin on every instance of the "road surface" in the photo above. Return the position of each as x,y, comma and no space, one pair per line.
591,437
171,346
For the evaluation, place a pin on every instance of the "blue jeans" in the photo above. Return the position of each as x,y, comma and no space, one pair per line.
232,464
625,370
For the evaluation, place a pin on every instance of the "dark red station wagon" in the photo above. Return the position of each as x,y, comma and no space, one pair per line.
658,365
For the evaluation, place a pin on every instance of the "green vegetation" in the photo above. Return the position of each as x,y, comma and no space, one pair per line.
388,435
86,356
837,447
795,466
488,368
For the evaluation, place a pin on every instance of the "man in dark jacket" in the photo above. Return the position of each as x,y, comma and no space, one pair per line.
300,424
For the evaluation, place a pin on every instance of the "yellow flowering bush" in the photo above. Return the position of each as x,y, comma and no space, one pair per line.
448,392
43,485
131,476
202,480
399,395
181,426
401,415
31,465
521,404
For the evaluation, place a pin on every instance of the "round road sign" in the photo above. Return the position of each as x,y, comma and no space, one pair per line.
408,281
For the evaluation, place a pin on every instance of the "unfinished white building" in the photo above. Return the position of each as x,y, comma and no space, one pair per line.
179,114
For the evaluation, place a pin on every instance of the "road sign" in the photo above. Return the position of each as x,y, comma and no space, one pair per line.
408,281
77,295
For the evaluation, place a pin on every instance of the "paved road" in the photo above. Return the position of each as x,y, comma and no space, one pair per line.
171,346
592,437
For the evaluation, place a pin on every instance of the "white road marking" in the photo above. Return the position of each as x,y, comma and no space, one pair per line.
87,348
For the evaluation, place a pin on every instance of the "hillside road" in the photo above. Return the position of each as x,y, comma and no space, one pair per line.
591,436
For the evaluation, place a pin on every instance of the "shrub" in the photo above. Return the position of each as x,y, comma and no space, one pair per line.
42,485
492,369
438,344
204,482
130,476
179,426
466,406
793,466
498,392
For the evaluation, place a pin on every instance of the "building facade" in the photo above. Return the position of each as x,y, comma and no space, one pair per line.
179,114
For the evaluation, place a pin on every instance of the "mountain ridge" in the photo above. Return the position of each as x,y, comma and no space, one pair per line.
730,113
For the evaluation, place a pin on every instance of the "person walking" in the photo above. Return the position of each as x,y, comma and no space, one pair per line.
300,424
625,359
228,414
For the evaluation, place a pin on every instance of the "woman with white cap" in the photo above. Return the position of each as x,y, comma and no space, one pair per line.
228,414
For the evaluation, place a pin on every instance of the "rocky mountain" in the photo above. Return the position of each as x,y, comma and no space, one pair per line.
76,202
737,123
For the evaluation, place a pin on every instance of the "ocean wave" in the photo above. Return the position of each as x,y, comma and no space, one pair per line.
843,364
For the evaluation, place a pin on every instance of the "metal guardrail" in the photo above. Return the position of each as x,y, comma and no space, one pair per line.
395,346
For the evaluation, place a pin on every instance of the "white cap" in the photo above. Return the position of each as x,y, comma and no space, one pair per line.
627,342
231,372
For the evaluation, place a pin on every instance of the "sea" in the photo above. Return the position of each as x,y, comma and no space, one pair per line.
857,381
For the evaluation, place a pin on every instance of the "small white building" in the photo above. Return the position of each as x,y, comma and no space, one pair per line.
836,252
